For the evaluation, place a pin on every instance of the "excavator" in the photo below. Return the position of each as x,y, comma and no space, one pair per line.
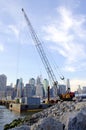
45,61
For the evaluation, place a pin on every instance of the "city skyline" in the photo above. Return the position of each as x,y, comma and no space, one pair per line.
38,80
60,26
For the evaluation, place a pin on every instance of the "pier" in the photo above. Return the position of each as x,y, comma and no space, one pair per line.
20,107
6,102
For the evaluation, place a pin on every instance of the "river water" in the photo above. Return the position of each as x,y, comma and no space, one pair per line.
7,116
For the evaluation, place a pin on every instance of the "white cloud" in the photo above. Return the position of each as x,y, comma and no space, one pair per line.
66,19
68,34
74,83
14,29
12,22
70,68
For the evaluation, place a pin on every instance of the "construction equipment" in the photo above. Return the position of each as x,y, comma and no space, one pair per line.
42,54
68,96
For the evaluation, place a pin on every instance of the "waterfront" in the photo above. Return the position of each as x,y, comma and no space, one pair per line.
7,116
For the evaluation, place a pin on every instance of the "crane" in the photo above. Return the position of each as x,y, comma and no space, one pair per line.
42,54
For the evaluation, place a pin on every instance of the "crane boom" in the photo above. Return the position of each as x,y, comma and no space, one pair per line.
40,50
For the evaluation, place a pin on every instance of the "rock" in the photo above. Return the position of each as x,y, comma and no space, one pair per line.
79,121
80,105
48,123
65,118
72,114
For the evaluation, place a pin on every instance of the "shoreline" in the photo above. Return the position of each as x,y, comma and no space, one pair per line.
58,115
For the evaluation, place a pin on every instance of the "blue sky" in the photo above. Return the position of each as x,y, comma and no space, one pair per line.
60,26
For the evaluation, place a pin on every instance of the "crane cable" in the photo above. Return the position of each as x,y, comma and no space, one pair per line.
56,67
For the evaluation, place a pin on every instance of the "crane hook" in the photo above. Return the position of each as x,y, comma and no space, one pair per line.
62,78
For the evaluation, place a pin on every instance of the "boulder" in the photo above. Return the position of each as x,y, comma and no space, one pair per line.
80,105
79,121
48,123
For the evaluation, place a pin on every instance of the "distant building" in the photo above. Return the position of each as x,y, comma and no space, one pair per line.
38,80
32,81
29,90
39,90
2,94
79,89
9,92
68,84
61,88
33,89
84,89
39,87
3,82
45,86
17,82
20,86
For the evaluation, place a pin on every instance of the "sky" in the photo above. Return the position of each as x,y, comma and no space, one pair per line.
60,26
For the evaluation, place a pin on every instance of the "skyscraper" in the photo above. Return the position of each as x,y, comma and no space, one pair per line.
38,80
3,82
84,89
39,90
61,88
45,86
39,87
32,81
68,84
19,88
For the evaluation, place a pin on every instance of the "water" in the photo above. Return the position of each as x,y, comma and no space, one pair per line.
7,116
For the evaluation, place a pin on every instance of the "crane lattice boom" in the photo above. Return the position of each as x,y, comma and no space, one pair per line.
42,54
40,50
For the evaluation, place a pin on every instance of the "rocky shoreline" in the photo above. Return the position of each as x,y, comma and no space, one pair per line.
67,115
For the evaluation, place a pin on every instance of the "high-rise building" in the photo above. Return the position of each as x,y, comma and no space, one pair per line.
39,90
68,84
61,88
84,89
38,80
29,90
39,87
20,86
17,82
32,81
9,92
79,90
45,86
3,82
2,94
